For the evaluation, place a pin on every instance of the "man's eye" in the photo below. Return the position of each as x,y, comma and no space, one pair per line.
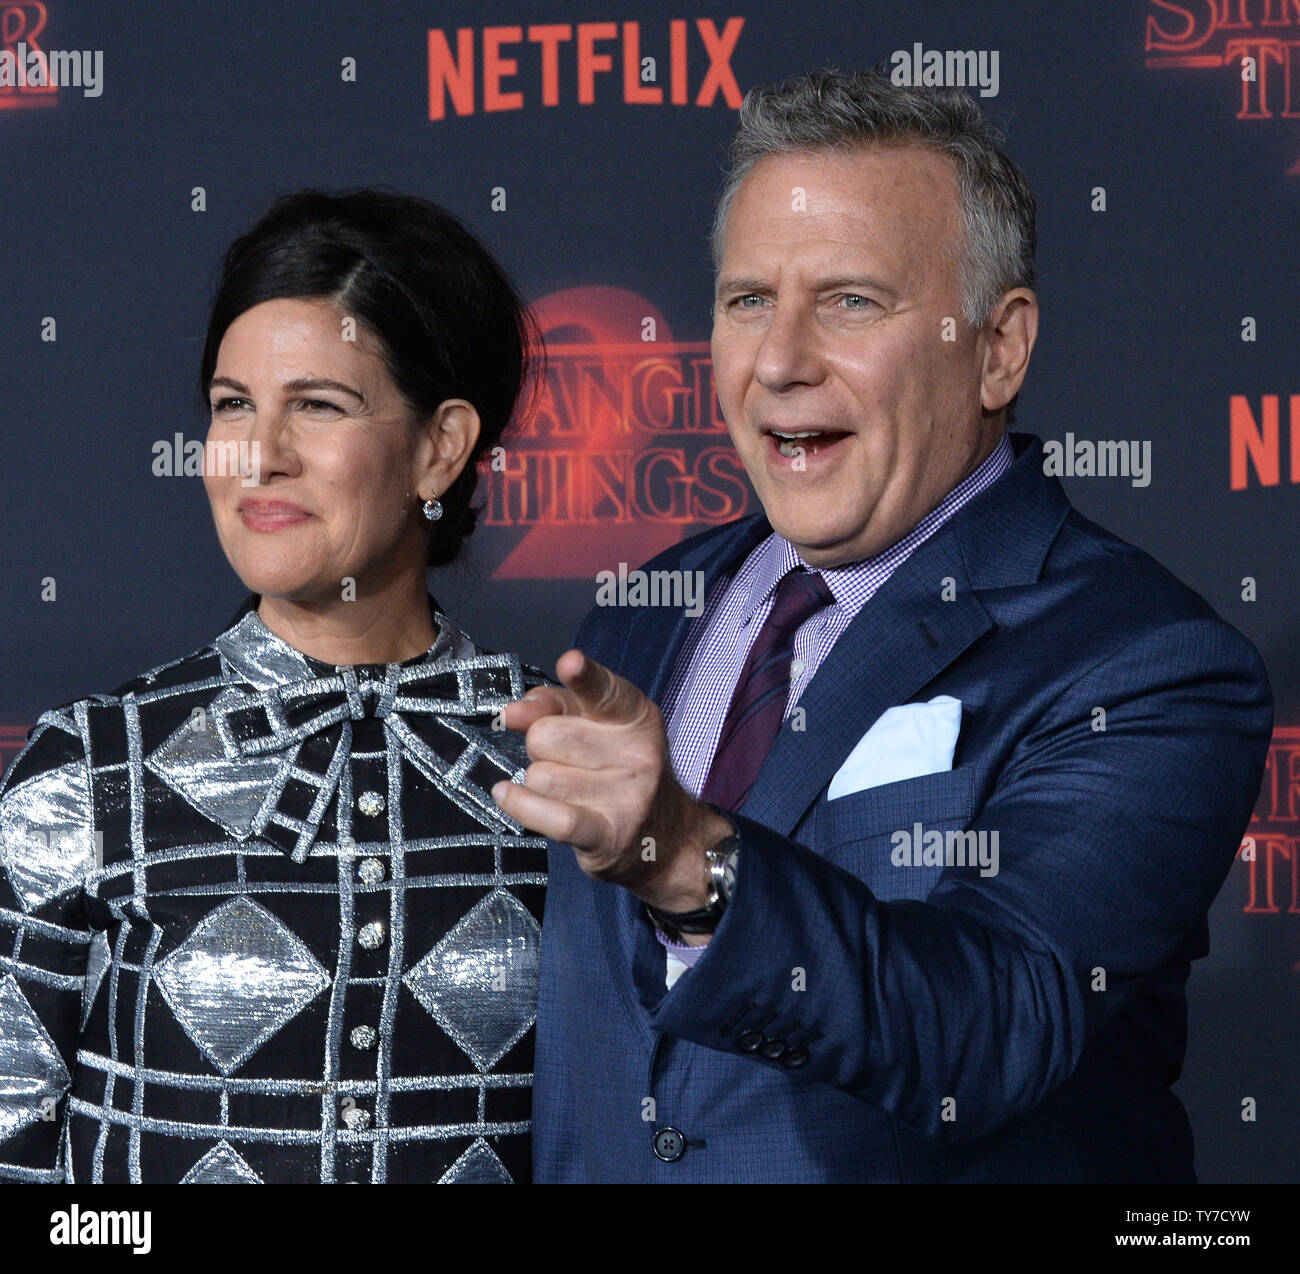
853,301
743,301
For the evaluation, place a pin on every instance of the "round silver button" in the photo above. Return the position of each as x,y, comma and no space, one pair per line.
356,1118
796,668
370,871
372,935
364,1037
371,804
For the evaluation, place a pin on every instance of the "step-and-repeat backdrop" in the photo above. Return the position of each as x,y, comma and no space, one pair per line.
583,141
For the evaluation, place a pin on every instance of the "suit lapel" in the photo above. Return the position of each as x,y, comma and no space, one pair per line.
657,640
904,637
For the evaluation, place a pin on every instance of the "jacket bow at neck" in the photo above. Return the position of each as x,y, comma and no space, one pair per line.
269,758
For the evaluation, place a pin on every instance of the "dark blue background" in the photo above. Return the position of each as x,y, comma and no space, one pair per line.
1140,334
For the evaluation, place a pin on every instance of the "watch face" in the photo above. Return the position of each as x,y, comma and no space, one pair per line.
729,870
724,873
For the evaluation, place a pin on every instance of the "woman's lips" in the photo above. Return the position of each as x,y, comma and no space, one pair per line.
271,515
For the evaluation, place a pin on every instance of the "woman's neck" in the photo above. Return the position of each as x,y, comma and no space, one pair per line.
384,627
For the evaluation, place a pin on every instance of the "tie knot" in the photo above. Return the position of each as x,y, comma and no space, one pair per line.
799,596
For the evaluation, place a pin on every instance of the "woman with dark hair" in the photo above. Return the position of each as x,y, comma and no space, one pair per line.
260,919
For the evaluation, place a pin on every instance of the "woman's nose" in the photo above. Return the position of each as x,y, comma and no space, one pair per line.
270,446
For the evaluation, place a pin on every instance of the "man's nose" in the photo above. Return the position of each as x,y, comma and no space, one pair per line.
788,354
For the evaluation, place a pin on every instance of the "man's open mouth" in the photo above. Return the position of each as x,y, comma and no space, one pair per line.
804,442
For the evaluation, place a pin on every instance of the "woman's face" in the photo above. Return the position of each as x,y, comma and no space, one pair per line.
341,465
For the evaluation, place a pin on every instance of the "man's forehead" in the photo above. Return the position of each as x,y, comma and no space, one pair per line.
867,183
841,209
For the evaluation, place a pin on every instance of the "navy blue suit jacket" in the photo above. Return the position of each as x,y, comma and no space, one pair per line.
1025,1026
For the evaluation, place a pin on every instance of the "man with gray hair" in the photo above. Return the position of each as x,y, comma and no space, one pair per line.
890,864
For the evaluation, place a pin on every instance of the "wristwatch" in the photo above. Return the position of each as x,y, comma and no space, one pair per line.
722,859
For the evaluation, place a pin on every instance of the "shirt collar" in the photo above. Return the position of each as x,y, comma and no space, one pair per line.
772,561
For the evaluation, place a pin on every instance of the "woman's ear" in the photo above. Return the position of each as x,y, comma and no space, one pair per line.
452,433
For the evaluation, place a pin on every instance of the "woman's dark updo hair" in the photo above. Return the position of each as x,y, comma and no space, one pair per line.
448,321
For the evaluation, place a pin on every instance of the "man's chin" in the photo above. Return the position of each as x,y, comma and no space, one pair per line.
818,545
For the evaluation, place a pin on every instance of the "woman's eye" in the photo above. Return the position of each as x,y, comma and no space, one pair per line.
317,405
230,404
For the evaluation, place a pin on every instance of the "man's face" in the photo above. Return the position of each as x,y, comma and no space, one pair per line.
838,276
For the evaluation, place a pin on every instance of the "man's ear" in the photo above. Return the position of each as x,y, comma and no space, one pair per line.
1009,337
451,435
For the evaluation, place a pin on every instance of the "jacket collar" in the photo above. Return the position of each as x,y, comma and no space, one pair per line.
291,716
256,655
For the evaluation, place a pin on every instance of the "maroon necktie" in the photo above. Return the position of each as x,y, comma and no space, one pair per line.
758,704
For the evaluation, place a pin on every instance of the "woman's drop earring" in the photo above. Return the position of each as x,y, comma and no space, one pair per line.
433,510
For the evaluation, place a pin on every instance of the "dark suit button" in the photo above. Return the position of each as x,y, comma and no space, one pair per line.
795,1057
669,1145
750,1041
773,1049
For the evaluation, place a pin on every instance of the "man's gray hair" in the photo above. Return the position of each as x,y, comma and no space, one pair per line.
826,110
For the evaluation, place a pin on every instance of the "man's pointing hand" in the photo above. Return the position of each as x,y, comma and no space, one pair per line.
601,780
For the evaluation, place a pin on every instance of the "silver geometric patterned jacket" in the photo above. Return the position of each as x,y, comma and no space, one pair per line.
261,921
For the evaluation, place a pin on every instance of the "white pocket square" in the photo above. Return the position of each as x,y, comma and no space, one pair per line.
905,742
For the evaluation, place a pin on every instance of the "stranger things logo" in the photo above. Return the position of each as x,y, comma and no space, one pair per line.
626,452
1256,42
22,28
1269,855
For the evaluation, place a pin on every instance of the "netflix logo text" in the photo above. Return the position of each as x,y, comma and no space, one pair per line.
506,68
21,39
1255,442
